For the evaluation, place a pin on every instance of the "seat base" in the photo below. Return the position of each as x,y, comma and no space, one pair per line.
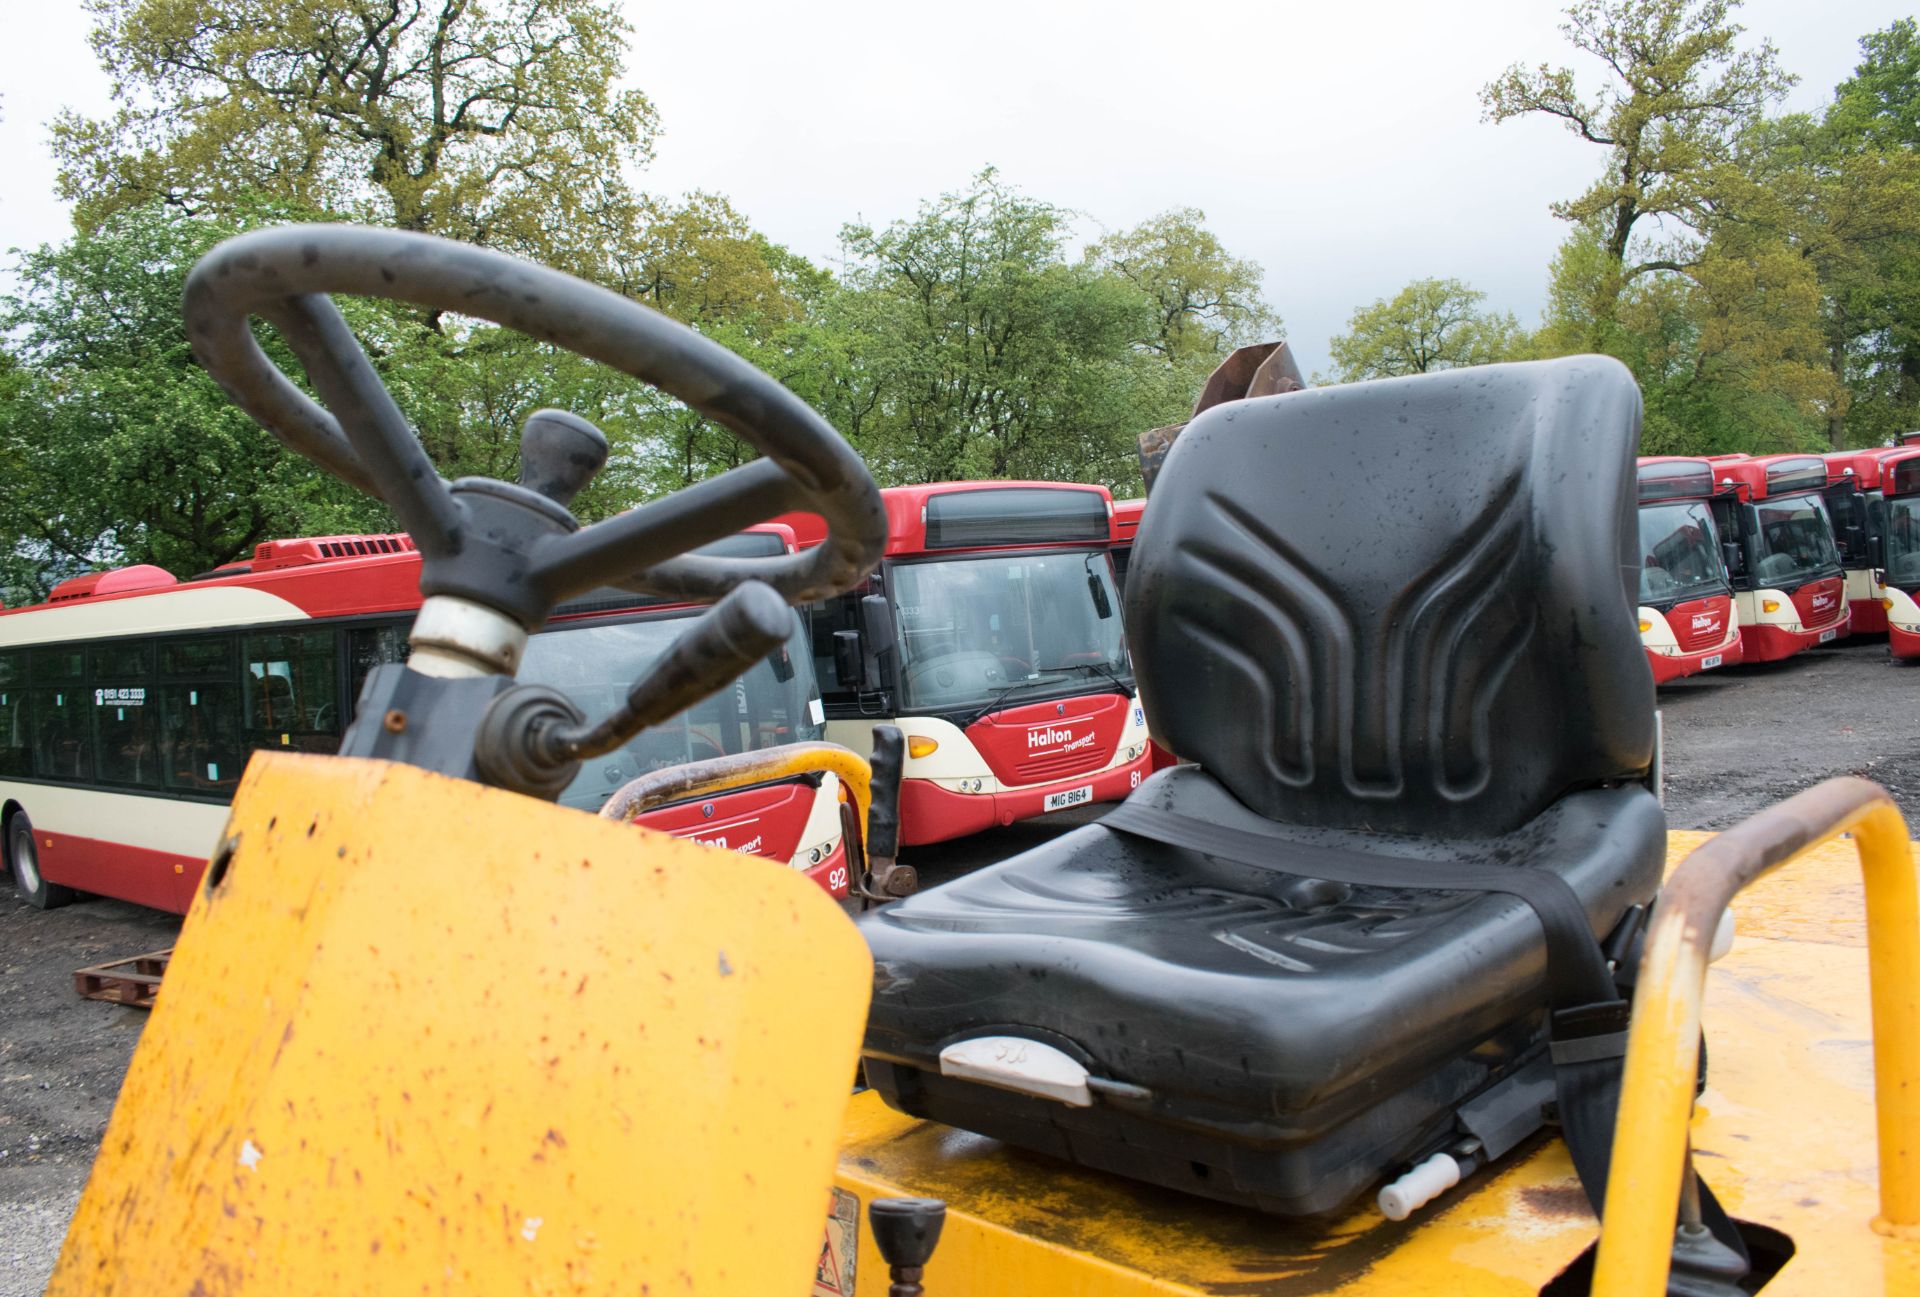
1254,1035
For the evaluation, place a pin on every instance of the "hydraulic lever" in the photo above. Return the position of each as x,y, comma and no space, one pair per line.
532,738
885,879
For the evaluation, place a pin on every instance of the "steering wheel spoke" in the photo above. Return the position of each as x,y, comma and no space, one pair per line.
638,550
378,435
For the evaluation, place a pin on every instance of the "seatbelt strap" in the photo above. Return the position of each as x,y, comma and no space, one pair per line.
1576,968
1587,1023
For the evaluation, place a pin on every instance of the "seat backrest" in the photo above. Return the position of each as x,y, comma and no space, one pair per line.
1405,605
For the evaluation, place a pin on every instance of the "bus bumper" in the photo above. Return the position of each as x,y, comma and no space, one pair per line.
1867,617
1903,641
1672,666
930,813
1764,643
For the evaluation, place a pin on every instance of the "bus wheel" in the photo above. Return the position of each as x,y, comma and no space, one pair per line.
34,889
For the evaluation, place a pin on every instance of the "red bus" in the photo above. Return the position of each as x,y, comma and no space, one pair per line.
1687,622
1789,588
130,700
991,635
1900,551
1856,498
1126,523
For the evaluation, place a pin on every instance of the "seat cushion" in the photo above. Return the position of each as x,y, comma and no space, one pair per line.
1253,1006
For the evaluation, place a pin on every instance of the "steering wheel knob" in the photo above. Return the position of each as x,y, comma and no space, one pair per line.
559,454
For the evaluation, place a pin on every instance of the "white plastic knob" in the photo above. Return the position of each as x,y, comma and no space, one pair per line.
1722,936
1419,1186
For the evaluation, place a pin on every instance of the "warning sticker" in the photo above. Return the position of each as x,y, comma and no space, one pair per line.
839,1247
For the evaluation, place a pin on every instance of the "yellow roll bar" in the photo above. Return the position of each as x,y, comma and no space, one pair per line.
1663,1039
717,775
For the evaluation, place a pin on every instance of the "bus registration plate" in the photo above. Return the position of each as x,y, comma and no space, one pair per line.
1831,633
1071,797
1710,662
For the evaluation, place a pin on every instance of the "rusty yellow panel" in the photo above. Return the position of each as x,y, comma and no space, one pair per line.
1785,1132
431,1037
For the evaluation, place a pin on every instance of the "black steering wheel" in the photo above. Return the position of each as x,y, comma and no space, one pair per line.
516,547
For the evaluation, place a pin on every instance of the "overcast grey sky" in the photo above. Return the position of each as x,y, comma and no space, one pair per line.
1339,145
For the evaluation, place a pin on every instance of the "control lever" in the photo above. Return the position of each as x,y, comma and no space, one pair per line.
885,878
532,738
906,1230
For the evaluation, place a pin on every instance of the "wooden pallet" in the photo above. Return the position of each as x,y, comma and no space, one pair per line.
134,981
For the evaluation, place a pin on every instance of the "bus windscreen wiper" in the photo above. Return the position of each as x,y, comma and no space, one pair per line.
1096,668
993,704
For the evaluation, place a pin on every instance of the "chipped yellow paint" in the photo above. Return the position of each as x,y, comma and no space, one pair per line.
1785,1133
429,1037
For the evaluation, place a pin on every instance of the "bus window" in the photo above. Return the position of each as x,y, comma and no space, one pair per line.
200,707
118,686
16,721
595,665
62,743
292,691
367,648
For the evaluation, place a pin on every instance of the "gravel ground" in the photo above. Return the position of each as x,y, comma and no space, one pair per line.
1736,739
1742,737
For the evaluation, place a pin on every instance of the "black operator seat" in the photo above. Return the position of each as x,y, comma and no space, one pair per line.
1393,624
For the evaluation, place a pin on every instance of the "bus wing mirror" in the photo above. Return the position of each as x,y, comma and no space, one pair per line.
1730,554
876,628
1102,605
846,657
1855,543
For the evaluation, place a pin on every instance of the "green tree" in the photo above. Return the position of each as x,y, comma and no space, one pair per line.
1880,103
1204,300
973,348
1677,94
1850,210
492,121
1874,128
1430,324
1728,355
119,448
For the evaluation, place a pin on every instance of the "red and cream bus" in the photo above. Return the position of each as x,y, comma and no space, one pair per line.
1686,601
130,700
1856,499
1789,588
1900,550
1126,524
991,635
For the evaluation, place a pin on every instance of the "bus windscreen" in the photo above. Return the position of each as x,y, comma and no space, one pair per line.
1795,540
1903,543
595,664
1679,554
973,629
